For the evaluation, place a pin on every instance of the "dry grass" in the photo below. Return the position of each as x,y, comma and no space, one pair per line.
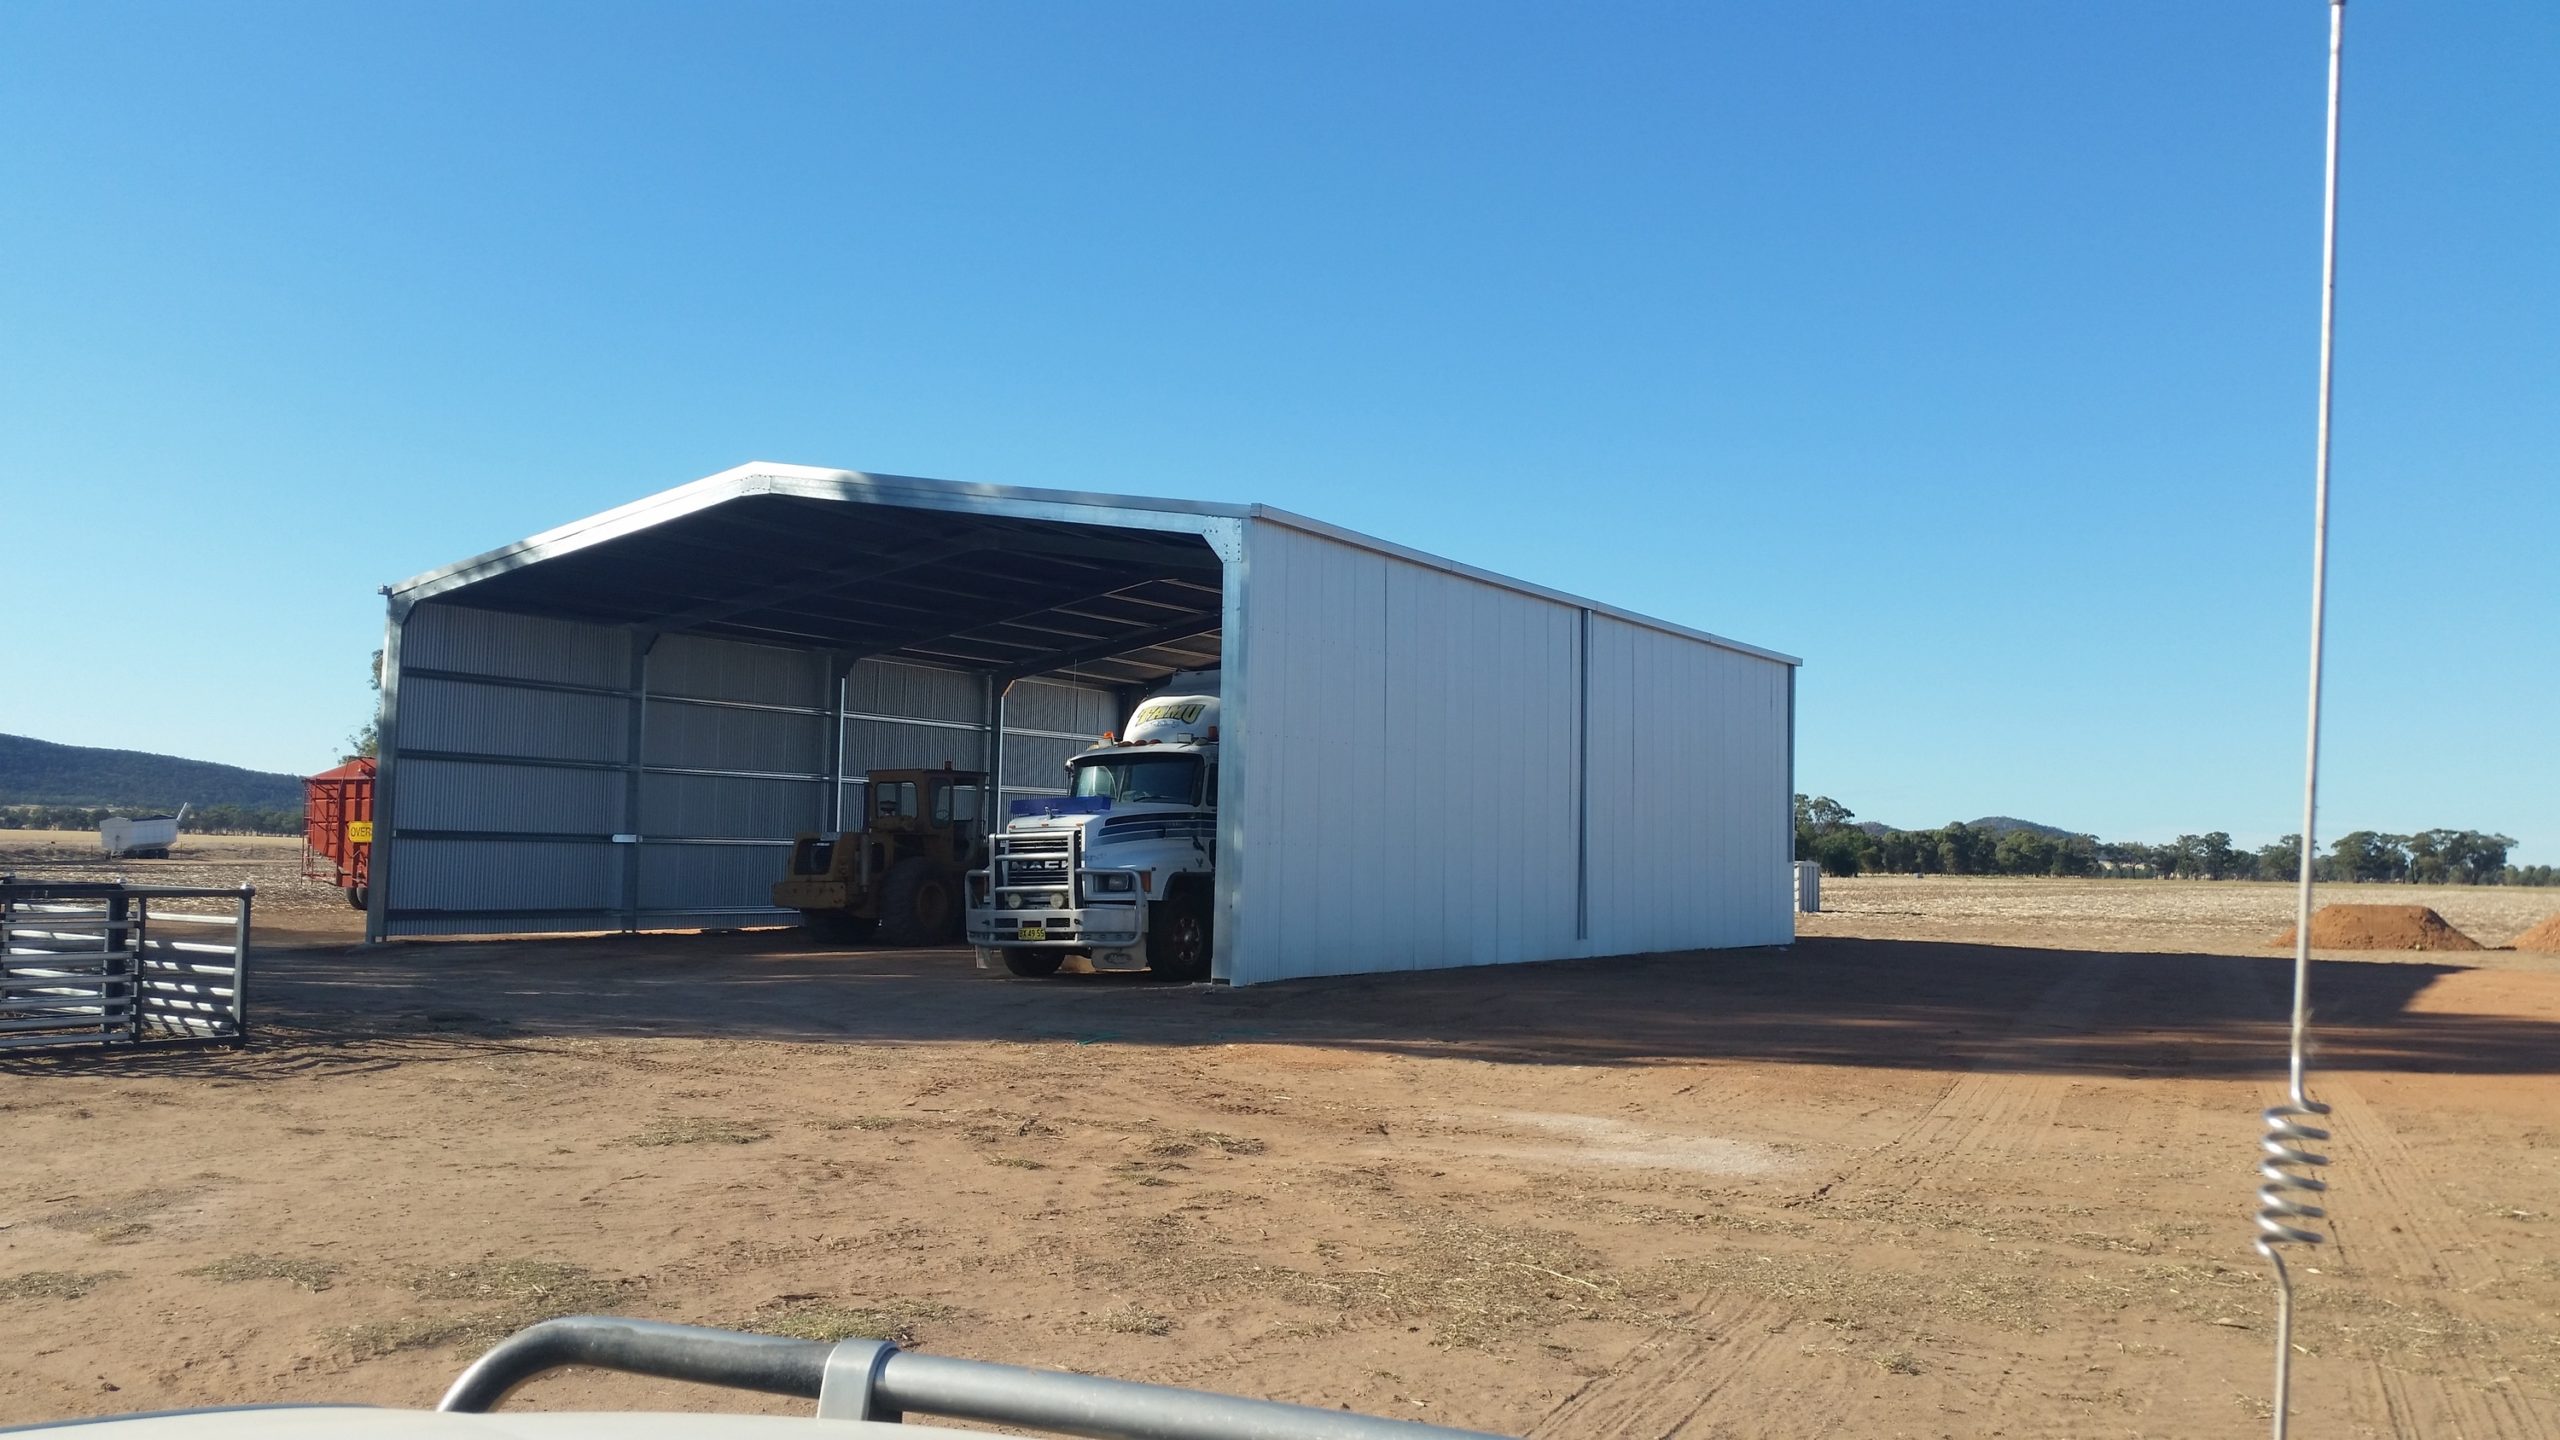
310,1274
1170,1147
122,1216
698,1130
55,1284
815,1317
505,1296
1136,1319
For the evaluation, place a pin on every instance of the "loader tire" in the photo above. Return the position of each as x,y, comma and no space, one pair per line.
357,895
1033,964
918,904
1178,939
834,927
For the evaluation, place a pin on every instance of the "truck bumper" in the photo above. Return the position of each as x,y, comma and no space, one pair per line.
1113,937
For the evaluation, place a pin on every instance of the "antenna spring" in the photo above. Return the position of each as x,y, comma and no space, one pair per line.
2281,1209
2285,1213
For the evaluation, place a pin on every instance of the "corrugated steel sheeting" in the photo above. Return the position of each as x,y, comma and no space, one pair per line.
1045,723
899,716
530,762
514,773
1693,822
1410,756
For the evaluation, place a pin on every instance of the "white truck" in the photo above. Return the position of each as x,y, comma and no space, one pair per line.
1118,870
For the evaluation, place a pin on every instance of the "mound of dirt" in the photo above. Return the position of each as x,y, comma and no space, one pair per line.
2380,927
2544,937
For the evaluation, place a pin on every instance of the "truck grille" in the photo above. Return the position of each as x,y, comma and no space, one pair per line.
1036,859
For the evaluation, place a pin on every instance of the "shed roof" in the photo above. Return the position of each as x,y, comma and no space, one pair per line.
993,577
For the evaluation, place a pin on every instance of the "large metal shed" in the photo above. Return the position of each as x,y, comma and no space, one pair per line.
620,723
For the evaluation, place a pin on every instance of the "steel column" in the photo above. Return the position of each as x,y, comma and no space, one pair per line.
635,736
382,867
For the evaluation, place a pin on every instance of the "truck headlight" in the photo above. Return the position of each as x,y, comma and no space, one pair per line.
1111,882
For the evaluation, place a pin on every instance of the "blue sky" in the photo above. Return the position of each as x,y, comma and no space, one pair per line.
1964,349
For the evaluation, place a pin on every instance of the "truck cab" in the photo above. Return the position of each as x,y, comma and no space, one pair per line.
1119,870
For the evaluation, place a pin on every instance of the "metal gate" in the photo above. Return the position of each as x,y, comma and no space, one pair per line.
102,963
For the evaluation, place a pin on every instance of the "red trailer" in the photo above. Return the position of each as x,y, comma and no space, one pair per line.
337,828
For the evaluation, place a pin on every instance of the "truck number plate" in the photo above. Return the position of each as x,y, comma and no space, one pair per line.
1031,931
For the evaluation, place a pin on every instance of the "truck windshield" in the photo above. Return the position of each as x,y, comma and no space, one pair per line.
1166,779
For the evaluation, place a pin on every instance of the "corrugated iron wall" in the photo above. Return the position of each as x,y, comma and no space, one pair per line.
551,775
1045,722
521,805
1419,789
506,775
735,760
899,716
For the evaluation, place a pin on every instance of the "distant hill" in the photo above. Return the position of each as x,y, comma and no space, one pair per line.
2003,824
39,772
1996,824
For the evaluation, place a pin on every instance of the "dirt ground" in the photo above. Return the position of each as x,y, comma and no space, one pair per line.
1972,1158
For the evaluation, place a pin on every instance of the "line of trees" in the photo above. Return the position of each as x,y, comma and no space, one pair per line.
201,820
1826,832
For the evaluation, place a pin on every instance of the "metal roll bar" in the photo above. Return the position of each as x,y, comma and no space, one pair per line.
874,1380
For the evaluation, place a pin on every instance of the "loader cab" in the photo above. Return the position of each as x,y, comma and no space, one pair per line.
925,802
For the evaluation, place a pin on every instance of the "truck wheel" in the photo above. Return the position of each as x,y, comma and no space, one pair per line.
1032,964
357,896
917,904
1178,940
834,927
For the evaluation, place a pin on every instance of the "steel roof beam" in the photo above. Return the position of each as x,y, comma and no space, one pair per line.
963,627
1185,628
834,578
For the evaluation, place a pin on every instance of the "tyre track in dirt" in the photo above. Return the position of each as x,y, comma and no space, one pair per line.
2410,1238
2393,1231
1995,1114
1685,1381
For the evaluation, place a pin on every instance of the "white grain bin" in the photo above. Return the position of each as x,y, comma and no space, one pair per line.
142,835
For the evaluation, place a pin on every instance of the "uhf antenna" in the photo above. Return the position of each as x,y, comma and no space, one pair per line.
2286,1196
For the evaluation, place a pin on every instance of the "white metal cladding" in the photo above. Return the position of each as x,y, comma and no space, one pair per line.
1411,776
506,790
1689,768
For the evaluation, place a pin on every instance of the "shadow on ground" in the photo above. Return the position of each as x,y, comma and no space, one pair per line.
1827,1001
